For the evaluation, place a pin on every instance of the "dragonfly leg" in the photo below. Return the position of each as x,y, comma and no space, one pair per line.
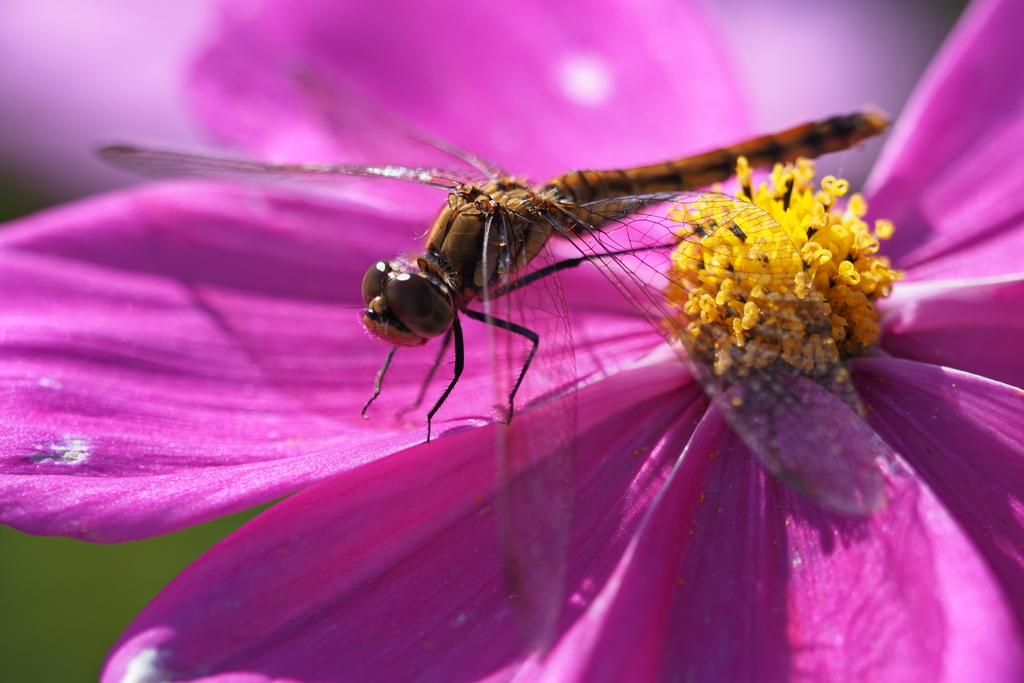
460,361
530,335
565,265
380,381
430,374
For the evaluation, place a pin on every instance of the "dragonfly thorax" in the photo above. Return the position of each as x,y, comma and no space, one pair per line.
486,232
482,234
405,308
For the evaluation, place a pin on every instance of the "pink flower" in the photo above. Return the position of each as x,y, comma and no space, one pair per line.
185,351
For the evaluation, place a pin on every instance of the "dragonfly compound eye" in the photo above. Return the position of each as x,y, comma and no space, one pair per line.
378,318
419,305
375,280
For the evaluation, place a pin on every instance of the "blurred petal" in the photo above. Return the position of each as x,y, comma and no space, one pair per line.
183,352
405,546
974,327
964,436
125,79
950,176
733,577
875,37
538,88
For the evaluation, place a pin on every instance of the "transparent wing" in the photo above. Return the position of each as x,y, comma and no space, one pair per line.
363,137
721,279
373,134
163,163
536,448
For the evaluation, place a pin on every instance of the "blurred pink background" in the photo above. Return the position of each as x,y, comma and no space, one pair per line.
80,72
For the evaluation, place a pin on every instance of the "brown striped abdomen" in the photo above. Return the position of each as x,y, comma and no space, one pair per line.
809,140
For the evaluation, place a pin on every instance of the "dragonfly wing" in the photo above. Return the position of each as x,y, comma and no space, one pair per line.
631,240
373,135
657,248
164,163
360,185
536,448
811,440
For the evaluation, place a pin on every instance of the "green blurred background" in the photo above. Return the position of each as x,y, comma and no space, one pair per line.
63,603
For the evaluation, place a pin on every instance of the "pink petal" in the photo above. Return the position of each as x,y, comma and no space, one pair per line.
183,352
963,435
972,327
606,330
392,571
949,177
540,88
733,577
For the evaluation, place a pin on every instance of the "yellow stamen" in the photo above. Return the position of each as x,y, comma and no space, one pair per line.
792,283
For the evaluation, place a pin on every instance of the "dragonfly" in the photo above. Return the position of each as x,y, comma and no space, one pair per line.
487,257
489,232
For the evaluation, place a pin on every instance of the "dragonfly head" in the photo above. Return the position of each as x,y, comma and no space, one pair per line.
404,309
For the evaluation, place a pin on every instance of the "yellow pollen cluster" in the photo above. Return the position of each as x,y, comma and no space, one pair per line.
781,277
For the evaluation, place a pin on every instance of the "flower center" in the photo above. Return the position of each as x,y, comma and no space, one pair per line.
790,285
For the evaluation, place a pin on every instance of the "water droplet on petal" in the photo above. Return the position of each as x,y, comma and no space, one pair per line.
145,667
69,450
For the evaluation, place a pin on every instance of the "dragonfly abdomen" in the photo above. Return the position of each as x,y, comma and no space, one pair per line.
809,140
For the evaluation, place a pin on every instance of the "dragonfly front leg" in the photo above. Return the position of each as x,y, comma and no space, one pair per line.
455,332
460,362
446,342
379,382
